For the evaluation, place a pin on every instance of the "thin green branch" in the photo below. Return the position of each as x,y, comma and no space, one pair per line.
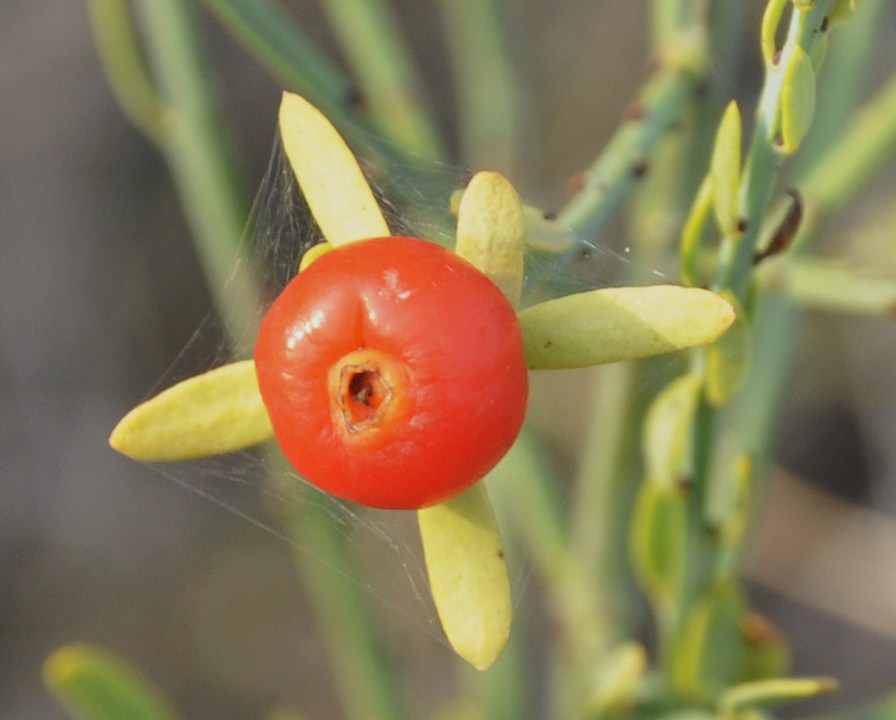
127,75
488,89
374,45
204,175
287,52
280,45
844,79
764,159
867,145
366,687
200,163
625,159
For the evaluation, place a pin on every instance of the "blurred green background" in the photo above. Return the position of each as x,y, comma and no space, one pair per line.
100,290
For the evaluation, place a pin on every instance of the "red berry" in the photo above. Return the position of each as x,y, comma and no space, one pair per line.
393,373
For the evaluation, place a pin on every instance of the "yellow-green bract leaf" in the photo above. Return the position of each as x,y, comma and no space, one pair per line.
658,540
724,169
842,10
541,231
728,358
770,21
468,575
94,685
334,186
774,692
216,412
797,100
617,679
667,429
490,231
313,253
692,233
612,324
707,656
836,286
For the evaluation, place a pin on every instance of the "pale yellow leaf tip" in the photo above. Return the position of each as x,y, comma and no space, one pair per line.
217,412
612,324
490,231
724,168
468,575
334,186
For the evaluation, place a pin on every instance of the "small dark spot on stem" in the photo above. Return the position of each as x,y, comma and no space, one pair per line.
776,58
779,141
635,111
742,225
500,554
549,215
756,630
355,98
640,168
684,483
824,24
548,344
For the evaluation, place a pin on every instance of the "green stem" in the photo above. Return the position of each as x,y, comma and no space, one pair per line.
844,80
199,160
124,68
204,176
726,22
659,108
867,145
366,687
616,171
488,90
763,161
376,50
291,57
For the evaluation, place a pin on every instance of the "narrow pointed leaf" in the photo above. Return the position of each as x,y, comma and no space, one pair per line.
693,231
334,186
724,169
797,100
468,575
617,679
490,231
612,324
94,685
707,656
776,691
774,10
667,430
658,540
216,412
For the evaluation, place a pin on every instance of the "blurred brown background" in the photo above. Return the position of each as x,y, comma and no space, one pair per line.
100,290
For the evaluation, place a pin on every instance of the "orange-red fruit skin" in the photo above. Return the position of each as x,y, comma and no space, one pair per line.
449,381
